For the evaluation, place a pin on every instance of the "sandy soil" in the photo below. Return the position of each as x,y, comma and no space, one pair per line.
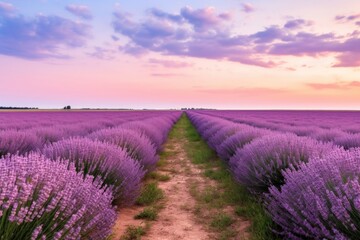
125,219
176,220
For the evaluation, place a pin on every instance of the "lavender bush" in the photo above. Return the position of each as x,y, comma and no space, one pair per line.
222,134
148,130
44,199
348,140
259,164
217,126
237,141
101,160
327,135
12,141
49,134
137,145
321,200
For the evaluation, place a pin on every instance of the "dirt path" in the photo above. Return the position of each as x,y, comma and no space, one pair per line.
176,220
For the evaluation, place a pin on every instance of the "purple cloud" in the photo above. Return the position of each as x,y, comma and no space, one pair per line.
347,18
297,23
80,11
353,17
115,38
206,33
169,63
204,19
306,44
164,15
247,8
269,35
303,44
41,36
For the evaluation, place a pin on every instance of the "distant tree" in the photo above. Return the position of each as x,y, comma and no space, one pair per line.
67,107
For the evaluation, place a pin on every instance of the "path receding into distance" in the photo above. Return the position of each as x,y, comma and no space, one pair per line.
181,216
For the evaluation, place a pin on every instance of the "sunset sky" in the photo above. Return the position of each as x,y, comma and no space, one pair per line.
227,54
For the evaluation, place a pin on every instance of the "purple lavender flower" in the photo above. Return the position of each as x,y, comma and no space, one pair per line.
216,126
327,135
40,197
222,134
12,141
259,164
321,200
348,140
152,133
137,145
238,140
113,166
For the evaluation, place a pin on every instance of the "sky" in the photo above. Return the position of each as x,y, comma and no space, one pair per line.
228,54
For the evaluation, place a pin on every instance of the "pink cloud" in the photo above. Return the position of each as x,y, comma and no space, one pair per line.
348,59
334,85
166,75
169,63
254,61
246,91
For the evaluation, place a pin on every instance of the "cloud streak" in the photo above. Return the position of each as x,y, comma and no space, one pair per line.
347,18
334,85
166,75
169,63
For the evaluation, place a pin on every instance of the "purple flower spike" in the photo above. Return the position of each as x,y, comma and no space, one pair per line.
113,166
321,200
45,199
259,164
137,145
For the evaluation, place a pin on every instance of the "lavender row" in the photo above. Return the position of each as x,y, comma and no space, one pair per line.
68,188
29,119
52,128
340,128
309,188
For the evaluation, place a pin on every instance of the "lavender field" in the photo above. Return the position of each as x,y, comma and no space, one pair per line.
63,174
303,166
67,175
